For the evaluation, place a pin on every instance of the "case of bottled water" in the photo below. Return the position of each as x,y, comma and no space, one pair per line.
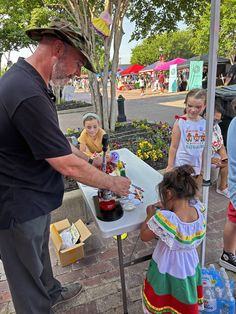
218,291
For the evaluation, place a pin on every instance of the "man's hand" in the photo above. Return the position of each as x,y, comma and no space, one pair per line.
120,185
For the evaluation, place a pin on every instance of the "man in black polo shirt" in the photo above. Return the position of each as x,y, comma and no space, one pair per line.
34,154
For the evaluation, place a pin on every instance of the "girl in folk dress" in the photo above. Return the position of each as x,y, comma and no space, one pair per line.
173,283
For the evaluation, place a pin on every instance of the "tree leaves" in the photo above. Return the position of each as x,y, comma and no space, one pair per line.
157,16
173,44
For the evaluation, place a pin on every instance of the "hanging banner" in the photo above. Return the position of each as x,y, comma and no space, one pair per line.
195,74
173,78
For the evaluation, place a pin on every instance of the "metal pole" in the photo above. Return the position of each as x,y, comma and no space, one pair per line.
211,84
122,274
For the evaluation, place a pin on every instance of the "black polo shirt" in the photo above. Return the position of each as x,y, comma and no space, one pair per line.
29,133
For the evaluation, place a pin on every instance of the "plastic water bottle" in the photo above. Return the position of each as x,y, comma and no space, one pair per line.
229,302
210,302
224,275
206,278
212,267
216,278
219,298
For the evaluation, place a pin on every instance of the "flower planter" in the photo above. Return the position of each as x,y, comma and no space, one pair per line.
72,105
149,141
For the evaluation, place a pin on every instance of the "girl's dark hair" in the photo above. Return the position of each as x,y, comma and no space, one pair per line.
233,104
180,182
197,93
218,106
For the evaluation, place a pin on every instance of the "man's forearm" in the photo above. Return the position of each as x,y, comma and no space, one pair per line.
78,153
81,171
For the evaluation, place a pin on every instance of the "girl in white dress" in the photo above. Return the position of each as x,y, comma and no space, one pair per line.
188,134
173,283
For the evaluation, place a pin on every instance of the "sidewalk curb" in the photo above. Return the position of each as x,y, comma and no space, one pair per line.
73,207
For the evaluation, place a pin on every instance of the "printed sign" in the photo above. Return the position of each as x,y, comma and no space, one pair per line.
173,78
195,74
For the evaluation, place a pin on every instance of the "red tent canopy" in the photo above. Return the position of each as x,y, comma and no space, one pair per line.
166,65
134,68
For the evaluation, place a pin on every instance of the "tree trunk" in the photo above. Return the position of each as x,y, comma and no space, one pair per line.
1,54
95,93
83,12
105,100
118,34
232,58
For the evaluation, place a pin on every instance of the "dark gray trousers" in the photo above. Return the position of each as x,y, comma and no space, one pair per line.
25,256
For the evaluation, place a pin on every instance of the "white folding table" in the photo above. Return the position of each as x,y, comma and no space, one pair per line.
142,175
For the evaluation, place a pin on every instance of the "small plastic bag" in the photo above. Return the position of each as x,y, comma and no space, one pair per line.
70,237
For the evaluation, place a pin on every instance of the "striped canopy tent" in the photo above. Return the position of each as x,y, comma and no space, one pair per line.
151,67
133,69
165,66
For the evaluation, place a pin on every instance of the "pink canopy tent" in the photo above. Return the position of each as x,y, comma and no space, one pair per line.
151,67
166,65
133,69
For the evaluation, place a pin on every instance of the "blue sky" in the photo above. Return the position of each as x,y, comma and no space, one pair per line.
125,49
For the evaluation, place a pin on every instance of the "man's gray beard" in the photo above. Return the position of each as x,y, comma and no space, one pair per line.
57,79
59,82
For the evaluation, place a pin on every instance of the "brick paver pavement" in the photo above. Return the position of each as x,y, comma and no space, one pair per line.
98,271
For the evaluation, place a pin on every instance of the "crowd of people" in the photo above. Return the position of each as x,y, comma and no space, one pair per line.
159,81
32,165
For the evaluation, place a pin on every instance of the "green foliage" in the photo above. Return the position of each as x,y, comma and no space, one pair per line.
227,35
174,44
73,132
156,16
14,18
153,146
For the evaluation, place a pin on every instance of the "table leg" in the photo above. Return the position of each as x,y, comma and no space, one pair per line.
122,273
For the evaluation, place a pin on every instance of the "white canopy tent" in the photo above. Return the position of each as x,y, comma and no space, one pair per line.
211,84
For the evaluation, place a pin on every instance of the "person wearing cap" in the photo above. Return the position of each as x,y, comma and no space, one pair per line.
34,154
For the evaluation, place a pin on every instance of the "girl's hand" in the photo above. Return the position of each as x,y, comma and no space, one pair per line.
97,161
159,205
108,157
168,169
151,209
224,161
216,161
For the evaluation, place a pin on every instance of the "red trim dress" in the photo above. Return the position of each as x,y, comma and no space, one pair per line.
173,283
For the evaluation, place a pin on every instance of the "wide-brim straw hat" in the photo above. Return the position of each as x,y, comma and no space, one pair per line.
67,33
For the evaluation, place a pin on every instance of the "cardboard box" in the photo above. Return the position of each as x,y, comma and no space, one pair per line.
74,253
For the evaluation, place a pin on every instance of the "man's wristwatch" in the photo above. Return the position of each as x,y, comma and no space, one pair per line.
90,161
